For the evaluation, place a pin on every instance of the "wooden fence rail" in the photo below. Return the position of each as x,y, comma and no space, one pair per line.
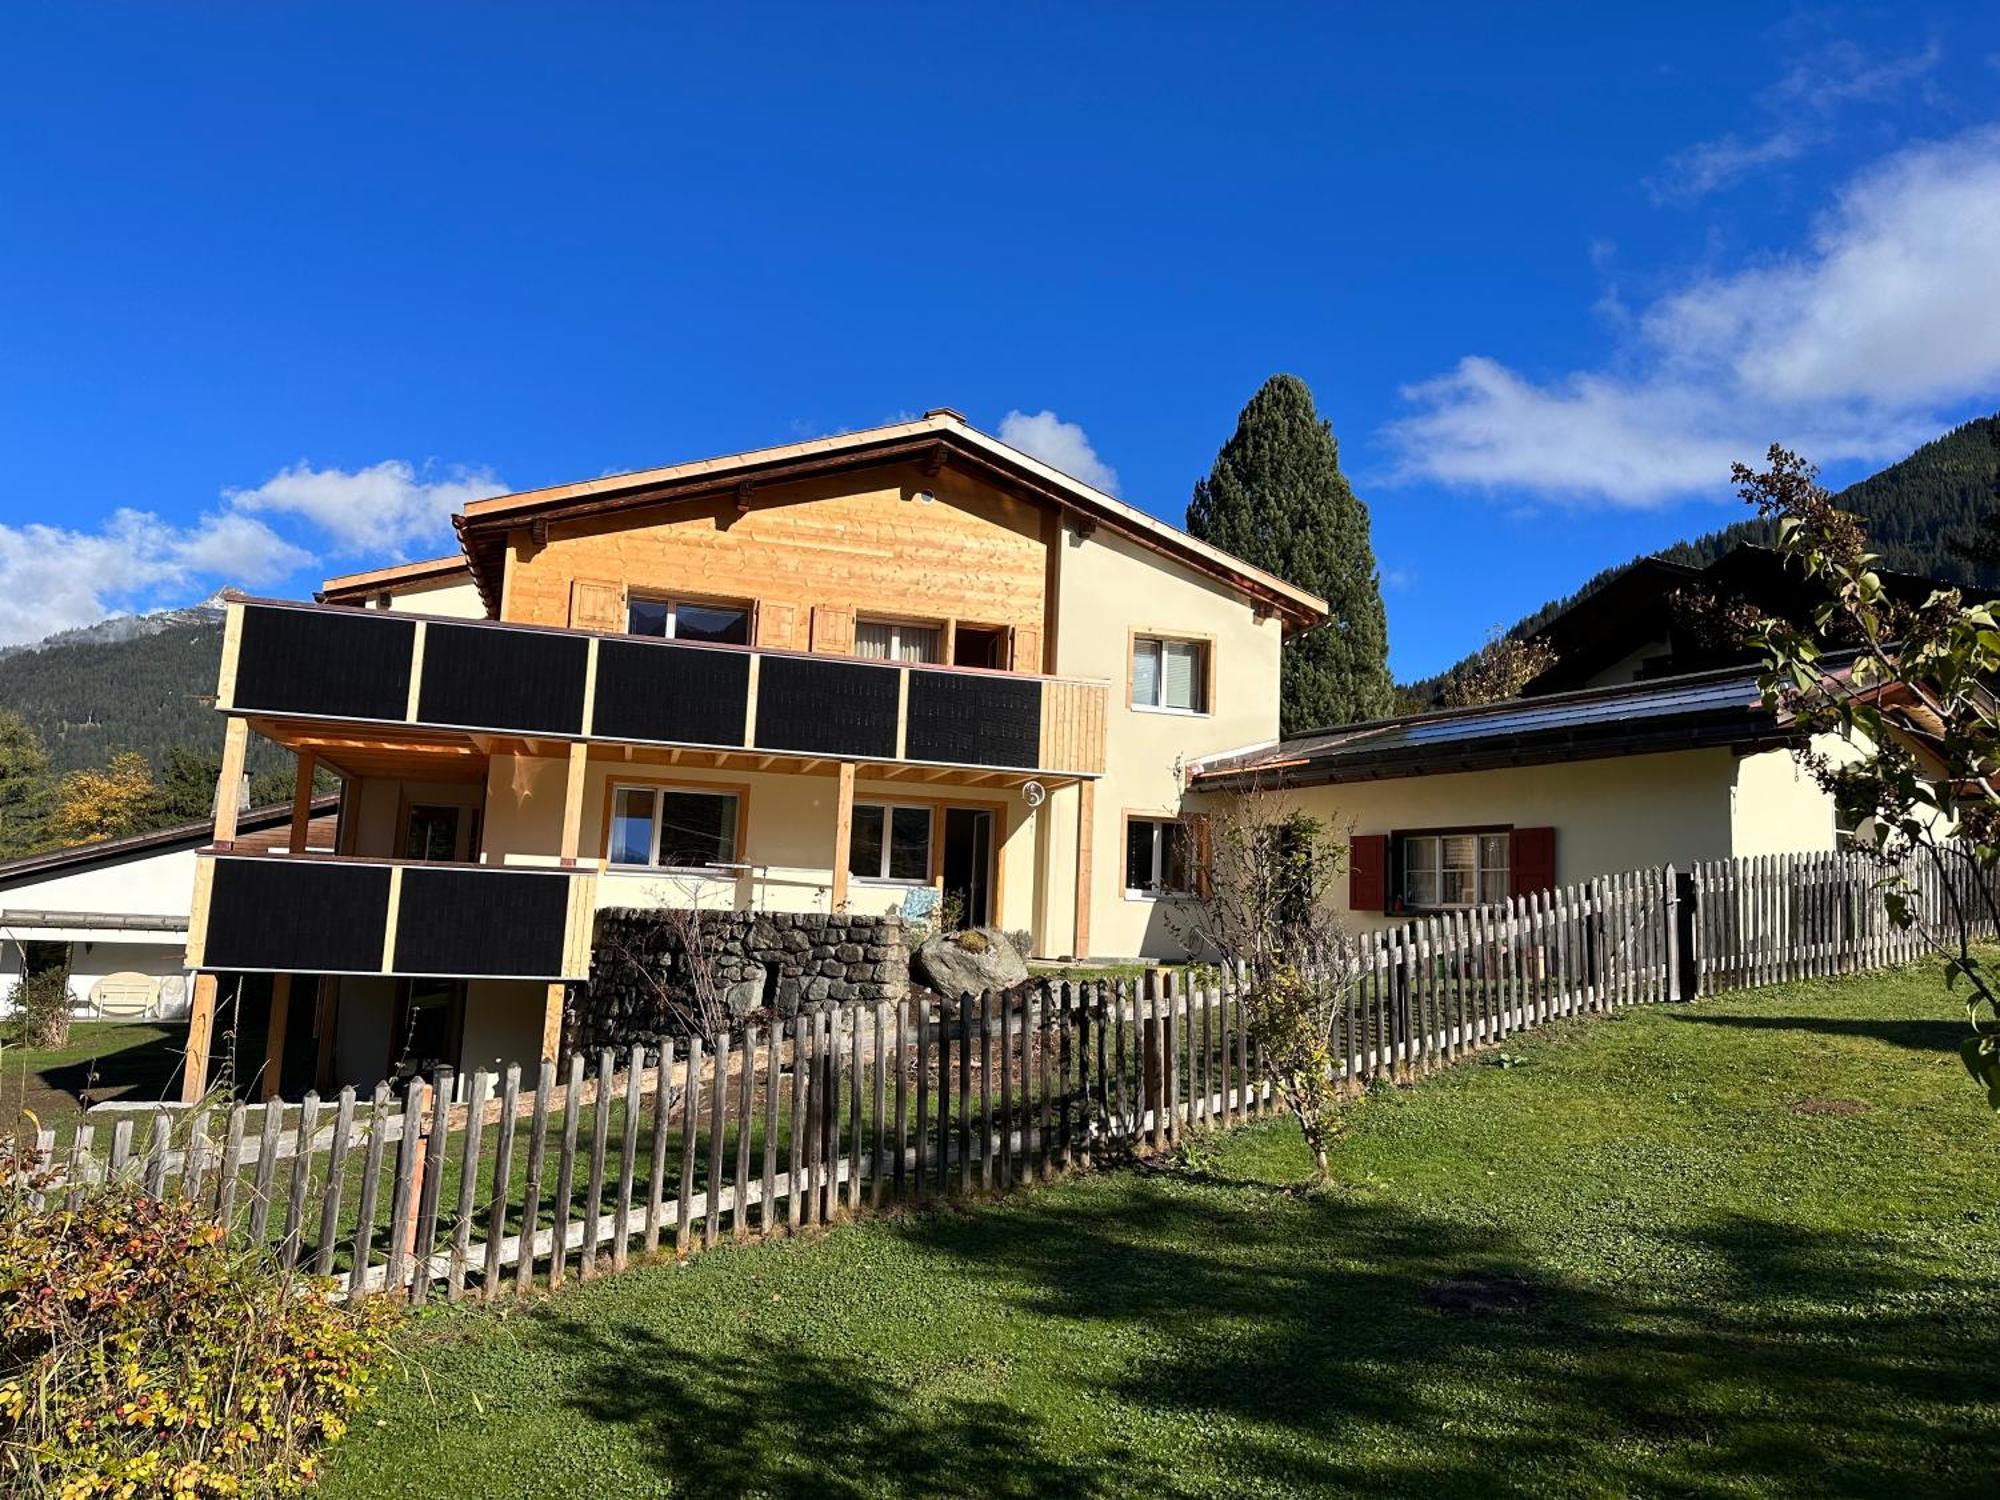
489,1187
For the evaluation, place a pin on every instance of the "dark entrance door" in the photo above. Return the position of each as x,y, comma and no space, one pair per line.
968,861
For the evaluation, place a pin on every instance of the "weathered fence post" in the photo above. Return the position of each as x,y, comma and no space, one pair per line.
1684,933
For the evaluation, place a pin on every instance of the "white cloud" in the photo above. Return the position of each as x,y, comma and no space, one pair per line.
1062,445
54,579
1802,108
1845,350
387,507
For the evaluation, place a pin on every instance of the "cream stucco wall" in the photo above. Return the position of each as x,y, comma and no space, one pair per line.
457,600
1611,815
1110,589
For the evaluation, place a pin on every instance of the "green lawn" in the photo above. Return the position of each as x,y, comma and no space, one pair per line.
102,1060
1742,1247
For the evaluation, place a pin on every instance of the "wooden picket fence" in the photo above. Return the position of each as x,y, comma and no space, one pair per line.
477,1186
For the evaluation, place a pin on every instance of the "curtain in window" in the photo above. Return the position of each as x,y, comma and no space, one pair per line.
1183,674
1146,673
877,642
919,643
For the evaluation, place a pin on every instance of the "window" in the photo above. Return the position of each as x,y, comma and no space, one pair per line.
892,640
890,843
1170,674
673,827
680,620
1159,857
433,833
1453,869
979,646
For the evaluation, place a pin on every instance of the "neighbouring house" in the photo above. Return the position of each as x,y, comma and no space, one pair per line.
1646,743
114,913
1461,807
833,680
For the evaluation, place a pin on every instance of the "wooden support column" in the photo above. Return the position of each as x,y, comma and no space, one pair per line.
1086,806
302,801
552,1021
229,781
843,833
274,1037
572,824
201,1021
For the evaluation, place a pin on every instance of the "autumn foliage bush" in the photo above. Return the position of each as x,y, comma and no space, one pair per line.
141,1355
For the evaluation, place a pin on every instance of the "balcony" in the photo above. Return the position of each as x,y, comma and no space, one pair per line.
284,661
306,914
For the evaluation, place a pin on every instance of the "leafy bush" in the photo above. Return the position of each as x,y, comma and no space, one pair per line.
141,1355
41,1003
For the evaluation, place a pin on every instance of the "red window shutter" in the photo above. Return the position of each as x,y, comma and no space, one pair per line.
1532,861
1368,872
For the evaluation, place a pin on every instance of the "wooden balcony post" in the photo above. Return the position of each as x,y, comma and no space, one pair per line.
572,825
201,1021
274,1037
843,833
326,1026
302,801
1086,806
229,781
552,1020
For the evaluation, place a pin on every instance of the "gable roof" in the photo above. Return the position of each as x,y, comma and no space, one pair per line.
940,437
1635,718
256,827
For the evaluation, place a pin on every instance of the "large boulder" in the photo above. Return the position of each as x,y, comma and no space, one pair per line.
964,963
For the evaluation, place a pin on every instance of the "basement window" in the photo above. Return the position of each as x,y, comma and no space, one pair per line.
890,843
673,828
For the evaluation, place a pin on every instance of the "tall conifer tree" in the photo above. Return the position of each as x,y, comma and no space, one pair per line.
1276,498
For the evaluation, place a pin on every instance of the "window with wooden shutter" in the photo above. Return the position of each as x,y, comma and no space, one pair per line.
1533,861
1368,872
832,630
1027,651
596,604
777,625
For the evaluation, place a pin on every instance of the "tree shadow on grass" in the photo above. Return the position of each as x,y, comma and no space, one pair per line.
780,1418
1916,1035
1288,1343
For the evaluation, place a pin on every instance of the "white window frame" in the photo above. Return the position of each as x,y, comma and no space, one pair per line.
674,616
1204,675
896,629
1480,869
1156,892
883,877
655,790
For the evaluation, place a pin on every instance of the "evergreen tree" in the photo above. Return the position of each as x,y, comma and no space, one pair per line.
1276,498
25,786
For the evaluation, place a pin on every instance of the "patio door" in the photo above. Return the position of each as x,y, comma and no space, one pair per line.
968,861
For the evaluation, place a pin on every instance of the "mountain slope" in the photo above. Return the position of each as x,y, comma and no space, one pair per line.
91,698
1915,510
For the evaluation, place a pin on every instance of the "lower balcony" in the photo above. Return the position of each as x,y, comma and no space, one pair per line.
315,915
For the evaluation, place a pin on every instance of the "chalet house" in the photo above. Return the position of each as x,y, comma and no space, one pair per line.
836,676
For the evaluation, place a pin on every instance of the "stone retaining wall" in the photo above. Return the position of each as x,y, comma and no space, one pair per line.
778,960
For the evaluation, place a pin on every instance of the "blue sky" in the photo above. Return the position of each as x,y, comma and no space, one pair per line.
279,285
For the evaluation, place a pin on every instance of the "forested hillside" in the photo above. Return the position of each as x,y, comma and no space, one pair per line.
1917,511
89,700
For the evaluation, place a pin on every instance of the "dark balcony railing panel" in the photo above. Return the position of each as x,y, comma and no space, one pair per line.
962,718
479,677
827,707
471,922
653,690
304,916
347,664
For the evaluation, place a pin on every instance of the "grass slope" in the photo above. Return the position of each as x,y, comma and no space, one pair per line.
1744,1247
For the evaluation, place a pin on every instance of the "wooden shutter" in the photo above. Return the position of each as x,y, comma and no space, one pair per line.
1368,872
1027,649
777,625
833,630
595,604
1531,861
